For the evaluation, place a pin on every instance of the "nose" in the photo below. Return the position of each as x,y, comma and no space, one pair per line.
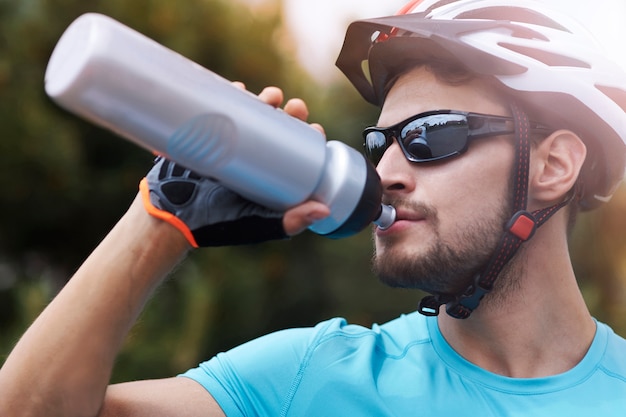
396,172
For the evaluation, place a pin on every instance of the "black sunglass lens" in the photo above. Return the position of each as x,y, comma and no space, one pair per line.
450,139
428,138
435,137
375,146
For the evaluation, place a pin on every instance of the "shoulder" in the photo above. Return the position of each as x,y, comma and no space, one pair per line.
393,337
291,350
266,373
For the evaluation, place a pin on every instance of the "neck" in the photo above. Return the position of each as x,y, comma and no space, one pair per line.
535,323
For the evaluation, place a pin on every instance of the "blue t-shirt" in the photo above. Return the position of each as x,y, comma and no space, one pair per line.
402,368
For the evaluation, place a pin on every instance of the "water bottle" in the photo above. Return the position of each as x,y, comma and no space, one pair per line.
121,80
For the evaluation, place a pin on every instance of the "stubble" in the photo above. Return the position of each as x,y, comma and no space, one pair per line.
447,266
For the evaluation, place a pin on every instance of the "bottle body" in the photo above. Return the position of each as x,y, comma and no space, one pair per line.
121,80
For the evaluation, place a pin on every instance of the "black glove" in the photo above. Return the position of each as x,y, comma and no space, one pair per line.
207,213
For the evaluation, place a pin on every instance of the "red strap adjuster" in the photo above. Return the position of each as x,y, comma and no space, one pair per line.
522,225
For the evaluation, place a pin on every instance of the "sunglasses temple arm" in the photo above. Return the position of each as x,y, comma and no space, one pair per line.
494,126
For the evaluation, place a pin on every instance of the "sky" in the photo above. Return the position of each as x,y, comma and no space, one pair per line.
319,26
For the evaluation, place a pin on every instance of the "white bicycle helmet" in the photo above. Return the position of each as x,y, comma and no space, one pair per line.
544,60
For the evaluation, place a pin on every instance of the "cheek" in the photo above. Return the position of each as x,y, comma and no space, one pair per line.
482,183
489,166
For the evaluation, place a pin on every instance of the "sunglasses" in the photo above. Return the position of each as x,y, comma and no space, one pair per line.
436,135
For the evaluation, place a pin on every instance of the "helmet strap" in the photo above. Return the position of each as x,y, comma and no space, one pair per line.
518,230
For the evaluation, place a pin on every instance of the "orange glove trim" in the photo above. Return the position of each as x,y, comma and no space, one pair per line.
164,215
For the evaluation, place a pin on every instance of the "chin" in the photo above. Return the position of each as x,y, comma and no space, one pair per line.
437,271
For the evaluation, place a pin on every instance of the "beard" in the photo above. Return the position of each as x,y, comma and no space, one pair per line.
447,266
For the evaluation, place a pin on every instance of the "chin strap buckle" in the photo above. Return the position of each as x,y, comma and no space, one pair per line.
429,305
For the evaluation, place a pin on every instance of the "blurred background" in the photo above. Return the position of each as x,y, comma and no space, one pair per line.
64,183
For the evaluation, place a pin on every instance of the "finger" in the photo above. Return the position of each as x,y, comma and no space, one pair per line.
297,219
239,85
318,127
272,96
297,108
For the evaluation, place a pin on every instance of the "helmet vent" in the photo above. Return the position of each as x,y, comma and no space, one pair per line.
548,58
512,14
616,94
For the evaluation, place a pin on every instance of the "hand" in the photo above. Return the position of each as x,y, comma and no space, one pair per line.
209,214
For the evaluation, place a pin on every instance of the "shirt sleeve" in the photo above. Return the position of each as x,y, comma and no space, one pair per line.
259,377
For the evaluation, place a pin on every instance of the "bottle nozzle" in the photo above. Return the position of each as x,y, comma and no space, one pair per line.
386,218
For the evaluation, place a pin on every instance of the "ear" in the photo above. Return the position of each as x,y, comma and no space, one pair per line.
555,164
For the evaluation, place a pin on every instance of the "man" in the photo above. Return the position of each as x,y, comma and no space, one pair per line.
494,113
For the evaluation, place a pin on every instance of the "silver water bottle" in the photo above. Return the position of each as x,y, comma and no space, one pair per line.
121,80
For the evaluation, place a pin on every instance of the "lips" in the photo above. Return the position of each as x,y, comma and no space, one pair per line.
409,215
404,218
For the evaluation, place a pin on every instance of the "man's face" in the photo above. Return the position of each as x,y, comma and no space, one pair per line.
450,213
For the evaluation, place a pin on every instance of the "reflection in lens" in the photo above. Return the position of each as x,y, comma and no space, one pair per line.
436,136
416,143
375,146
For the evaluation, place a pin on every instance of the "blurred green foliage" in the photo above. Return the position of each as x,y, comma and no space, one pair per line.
64,184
